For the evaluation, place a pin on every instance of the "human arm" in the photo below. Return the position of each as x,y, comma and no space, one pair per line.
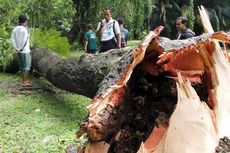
99,28
13,40
86,44
118,34
127,36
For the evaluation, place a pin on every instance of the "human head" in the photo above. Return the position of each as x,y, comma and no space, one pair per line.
22,19
181,23
89,26
107,14
120,21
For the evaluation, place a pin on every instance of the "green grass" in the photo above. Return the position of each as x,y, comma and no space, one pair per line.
40,122
4,76
132,43
76,53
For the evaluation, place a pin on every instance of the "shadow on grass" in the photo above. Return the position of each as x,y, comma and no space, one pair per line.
69,108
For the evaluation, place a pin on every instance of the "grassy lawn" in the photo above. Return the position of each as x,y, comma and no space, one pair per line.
4,77
76,53
39,122
132,43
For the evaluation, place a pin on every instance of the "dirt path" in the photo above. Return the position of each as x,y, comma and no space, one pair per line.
16,88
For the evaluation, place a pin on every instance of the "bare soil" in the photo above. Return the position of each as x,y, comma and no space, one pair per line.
15,87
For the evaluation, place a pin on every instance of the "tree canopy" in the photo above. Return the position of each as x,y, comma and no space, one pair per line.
70,16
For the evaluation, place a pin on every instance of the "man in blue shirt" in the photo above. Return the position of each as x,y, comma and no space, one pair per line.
183,31
124,32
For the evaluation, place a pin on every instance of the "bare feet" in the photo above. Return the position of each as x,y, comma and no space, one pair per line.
26,84
27,81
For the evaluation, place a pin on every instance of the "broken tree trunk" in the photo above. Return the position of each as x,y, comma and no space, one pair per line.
134,90
81,75
193,126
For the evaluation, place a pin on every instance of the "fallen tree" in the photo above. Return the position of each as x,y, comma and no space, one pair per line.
138,96
80,75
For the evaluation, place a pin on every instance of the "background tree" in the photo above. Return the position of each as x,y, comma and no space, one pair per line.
44,15
70,17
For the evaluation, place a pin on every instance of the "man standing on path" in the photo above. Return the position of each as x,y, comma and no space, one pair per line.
20,41
109,31
124,32
183,31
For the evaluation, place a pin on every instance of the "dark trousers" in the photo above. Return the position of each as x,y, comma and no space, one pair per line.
107,45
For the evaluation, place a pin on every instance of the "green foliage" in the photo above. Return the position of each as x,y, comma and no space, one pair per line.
214,20
46,14
138,18
7,11
50,39
186,11
133,43
43,14
134,12
70,16
191,16
6,51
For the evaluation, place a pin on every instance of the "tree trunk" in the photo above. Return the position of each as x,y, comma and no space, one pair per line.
81,75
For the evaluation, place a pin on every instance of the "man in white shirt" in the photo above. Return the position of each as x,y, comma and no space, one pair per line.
20,41
109,31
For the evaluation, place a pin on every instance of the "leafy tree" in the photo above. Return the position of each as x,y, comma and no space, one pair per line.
43,14
71,16
6,51
135,12
51,39
165,13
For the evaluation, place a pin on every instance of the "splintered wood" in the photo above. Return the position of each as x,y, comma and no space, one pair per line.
193,126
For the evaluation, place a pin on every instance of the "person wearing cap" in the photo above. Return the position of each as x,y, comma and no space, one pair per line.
183,31
21,44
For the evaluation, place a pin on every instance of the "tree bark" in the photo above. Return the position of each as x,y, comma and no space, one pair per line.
81,75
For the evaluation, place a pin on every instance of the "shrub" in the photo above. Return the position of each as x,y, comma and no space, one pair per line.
50,39
6,50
